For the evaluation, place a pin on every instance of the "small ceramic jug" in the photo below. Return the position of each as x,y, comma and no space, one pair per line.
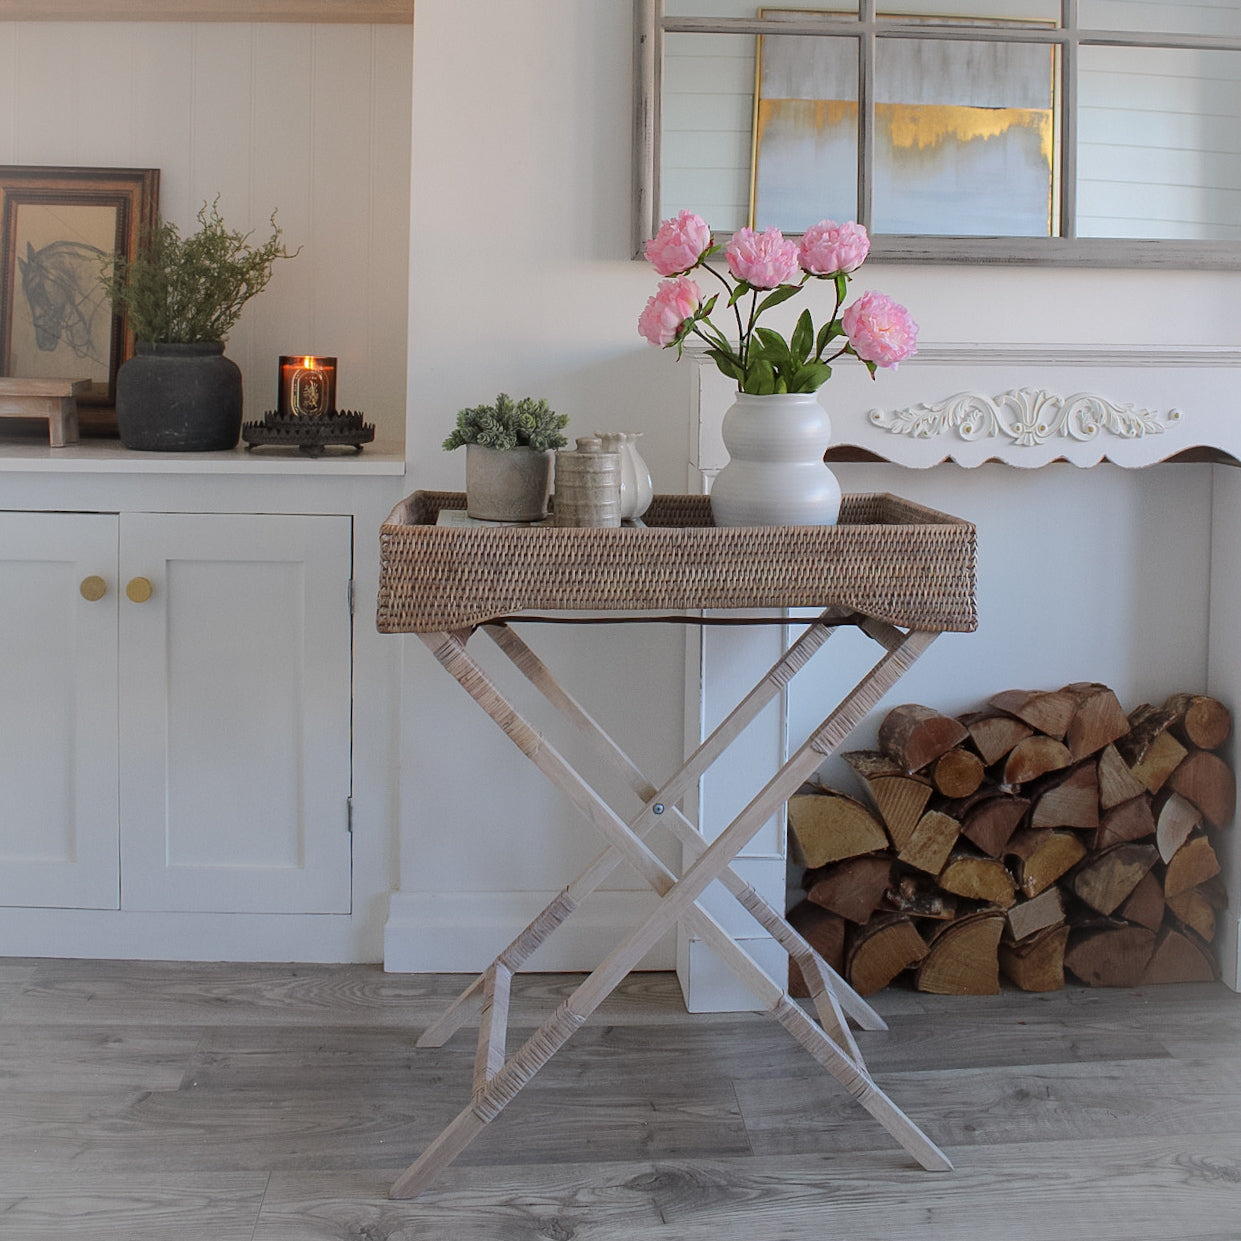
587,491
635,478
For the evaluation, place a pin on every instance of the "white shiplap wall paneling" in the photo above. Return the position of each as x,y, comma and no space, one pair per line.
708,112
1211,17
1159,150
312,120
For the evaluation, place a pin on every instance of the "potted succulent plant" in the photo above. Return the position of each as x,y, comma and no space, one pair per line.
182,296
509,451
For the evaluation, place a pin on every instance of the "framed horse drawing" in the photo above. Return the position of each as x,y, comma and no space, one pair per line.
58,229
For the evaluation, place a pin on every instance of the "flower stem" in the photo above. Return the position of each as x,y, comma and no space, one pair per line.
840,297
749,330
736,313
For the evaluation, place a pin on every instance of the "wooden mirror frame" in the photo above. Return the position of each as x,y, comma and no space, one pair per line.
651,24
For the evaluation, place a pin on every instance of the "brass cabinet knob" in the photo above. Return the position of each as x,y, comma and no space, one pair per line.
93,588
138,589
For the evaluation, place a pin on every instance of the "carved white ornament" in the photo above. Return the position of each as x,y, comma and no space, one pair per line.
1027,417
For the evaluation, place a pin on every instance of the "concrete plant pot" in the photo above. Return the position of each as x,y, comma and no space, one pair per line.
507,484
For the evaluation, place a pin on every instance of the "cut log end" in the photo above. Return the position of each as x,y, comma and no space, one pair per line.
1034,757
1207,782
1098,720
1201,722
886,946
1037,963
1106,879
854,888
1176,957
957,773
915,736
1110,956
963,957
827,827
979,879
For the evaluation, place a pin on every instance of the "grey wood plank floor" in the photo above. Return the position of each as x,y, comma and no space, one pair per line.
153,1101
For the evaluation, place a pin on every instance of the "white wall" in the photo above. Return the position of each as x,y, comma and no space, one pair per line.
310,119
521,281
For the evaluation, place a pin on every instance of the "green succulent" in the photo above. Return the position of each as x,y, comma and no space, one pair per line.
527,423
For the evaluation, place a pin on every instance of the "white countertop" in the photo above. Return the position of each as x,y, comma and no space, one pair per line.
109,456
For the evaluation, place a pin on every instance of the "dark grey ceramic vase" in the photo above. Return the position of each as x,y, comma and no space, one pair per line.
179,398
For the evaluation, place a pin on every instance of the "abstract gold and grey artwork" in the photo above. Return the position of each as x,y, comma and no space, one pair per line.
964,134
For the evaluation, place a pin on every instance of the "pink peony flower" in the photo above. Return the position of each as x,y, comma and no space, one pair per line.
763,260
679,244
828,248
667,308
880,330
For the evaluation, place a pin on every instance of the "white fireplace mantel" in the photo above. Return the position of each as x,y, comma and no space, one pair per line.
1023,405
1126,575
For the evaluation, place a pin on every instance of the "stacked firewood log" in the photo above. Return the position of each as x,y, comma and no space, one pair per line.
1049,831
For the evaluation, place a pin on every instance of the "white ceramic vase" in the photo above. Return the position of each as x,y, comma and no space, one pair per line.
635,479
775,474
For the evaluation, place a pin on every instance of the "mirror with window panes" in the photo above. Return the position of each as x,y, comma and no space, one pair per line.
1093,132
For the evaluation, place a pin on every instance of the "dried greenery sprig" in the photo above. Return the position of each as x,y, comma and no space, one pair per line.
186,289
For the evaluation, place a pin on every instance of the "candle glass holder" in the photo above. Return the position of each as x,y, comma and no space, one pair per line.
307,386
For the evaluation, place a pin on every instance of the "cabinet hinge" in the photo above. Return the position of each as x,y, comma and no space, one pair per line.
349,815
350,595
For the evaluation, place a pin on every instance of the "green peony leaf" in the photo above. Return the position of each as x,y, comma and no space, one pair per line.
781,294
773,345
828,332
727,364
810,377
760,378
802,339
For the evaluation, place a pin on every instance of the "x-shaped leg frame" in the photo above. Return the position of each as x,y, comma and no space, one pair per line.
498,1076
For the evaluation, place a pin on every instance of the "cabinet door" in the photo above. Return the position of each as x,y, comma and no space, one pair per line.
235,713
58,745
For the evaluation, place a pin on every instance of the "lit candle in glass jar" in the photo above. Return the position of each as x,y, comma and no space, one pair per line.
307,386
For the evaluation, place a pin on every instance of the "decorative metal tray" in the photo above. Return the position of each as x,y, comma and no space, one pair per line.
309,433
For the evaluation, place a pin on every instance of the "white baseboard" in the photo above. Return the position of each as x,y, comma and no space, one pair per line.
98,934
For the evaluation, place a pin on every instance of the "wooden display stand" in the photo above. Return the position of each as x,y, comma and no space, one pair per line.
53,399
430,584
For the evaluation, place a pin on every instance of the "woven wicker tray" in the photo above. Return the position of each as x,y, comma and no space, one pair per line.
887,557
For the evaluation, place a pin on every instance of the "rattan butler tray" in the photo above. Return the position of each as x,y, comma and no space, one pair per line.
888,558
900,573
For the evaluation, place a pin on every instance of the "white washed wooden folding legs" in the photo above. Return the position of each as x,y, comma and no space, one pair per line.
814,969
828,1000
498,1077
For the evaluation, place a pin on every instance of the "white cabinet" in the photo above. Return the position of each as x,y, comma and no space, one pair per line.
186,750
58,689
